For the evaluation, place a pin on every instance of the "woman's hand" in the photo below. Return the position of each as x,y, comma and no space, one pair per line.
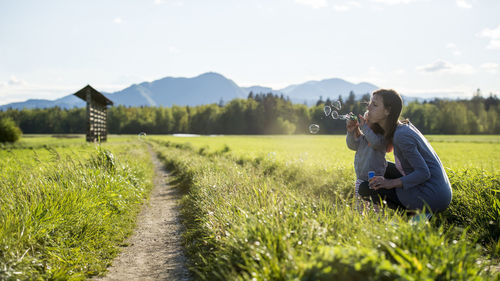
379,182
362,120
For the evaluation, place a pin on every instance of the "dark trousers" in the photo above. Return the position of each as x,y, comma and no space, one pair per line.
387,195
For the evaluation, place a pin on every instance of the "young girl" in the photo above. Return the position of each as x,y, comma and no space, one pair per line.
370,149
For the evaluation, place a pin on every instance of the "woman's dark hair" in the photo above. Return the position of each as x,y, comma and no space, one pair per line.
394,104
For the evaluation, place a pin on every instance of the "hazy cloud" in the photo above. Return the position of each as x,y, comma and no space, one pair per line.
490,67
354,4
175,2
451,46
435,92
117,20
13,81
400,71
454,49
341,8
394,2
173,50
264,8
442,66
315,4
347,6
463,4
494,45
493,35
435,67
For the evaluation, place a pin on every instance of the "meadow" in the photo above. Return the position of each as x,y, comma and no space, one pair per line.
66,206
254,208
327,152
282,208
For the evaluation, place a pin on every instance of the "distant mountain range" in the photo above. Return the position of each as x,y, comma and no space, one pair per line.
206,88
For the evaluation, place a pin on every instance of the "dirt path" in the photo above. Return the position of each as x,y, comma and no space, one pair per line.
155,250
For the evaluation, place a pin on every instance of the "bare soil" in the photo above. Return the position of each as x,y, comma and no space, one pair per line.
154,251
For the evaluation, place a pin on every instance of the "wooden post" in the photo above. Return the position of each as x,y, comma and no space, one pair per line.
89,121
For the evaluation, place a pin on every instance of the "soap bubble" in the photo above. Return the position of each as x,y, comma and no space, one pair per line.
337,105
313,128
327,110
141,135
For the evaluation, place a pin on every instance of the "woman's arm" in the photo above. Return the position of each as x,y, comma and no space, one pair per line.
378,182
407,144
421,173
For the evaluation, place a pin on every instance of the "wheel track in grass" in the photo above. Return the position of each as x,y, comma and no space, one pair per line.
154,251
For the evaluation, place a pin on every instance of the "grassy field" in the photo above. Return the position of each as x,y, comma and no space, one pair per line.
255,208
281,208
456,152
65,205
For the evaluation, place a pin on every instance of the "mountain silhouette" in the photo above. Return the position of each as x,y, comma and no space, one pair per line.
311,91
206,88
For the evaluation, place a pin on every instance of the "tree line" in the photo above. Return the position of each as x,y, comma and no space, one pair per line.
263,114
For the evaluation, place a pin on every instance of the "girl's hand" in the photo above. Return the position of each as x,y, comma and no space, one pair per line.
352,125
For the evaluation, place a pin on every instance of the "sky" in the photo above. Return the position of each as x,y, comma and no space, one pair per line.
422,48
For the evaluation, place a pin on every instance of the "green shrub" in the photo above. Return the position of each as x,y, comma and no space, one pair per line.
284,127
9,132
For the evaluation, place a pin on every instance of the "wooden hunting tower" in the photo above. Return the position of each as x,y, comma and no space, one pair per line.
96,113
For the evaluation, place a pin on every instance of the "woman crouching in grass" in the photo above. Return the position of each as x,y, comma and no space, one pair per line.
418,179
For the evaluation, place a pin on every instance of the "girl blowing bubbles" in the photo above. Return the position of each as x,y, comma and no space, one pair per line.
367,139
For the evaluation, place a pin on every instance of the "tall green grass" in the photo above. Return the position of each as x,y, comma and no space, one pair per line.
323,165
261,218
257,208
476,206
64,209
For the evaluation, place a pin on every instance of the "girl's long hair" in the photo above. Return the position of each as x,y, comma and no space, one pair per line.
394,104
